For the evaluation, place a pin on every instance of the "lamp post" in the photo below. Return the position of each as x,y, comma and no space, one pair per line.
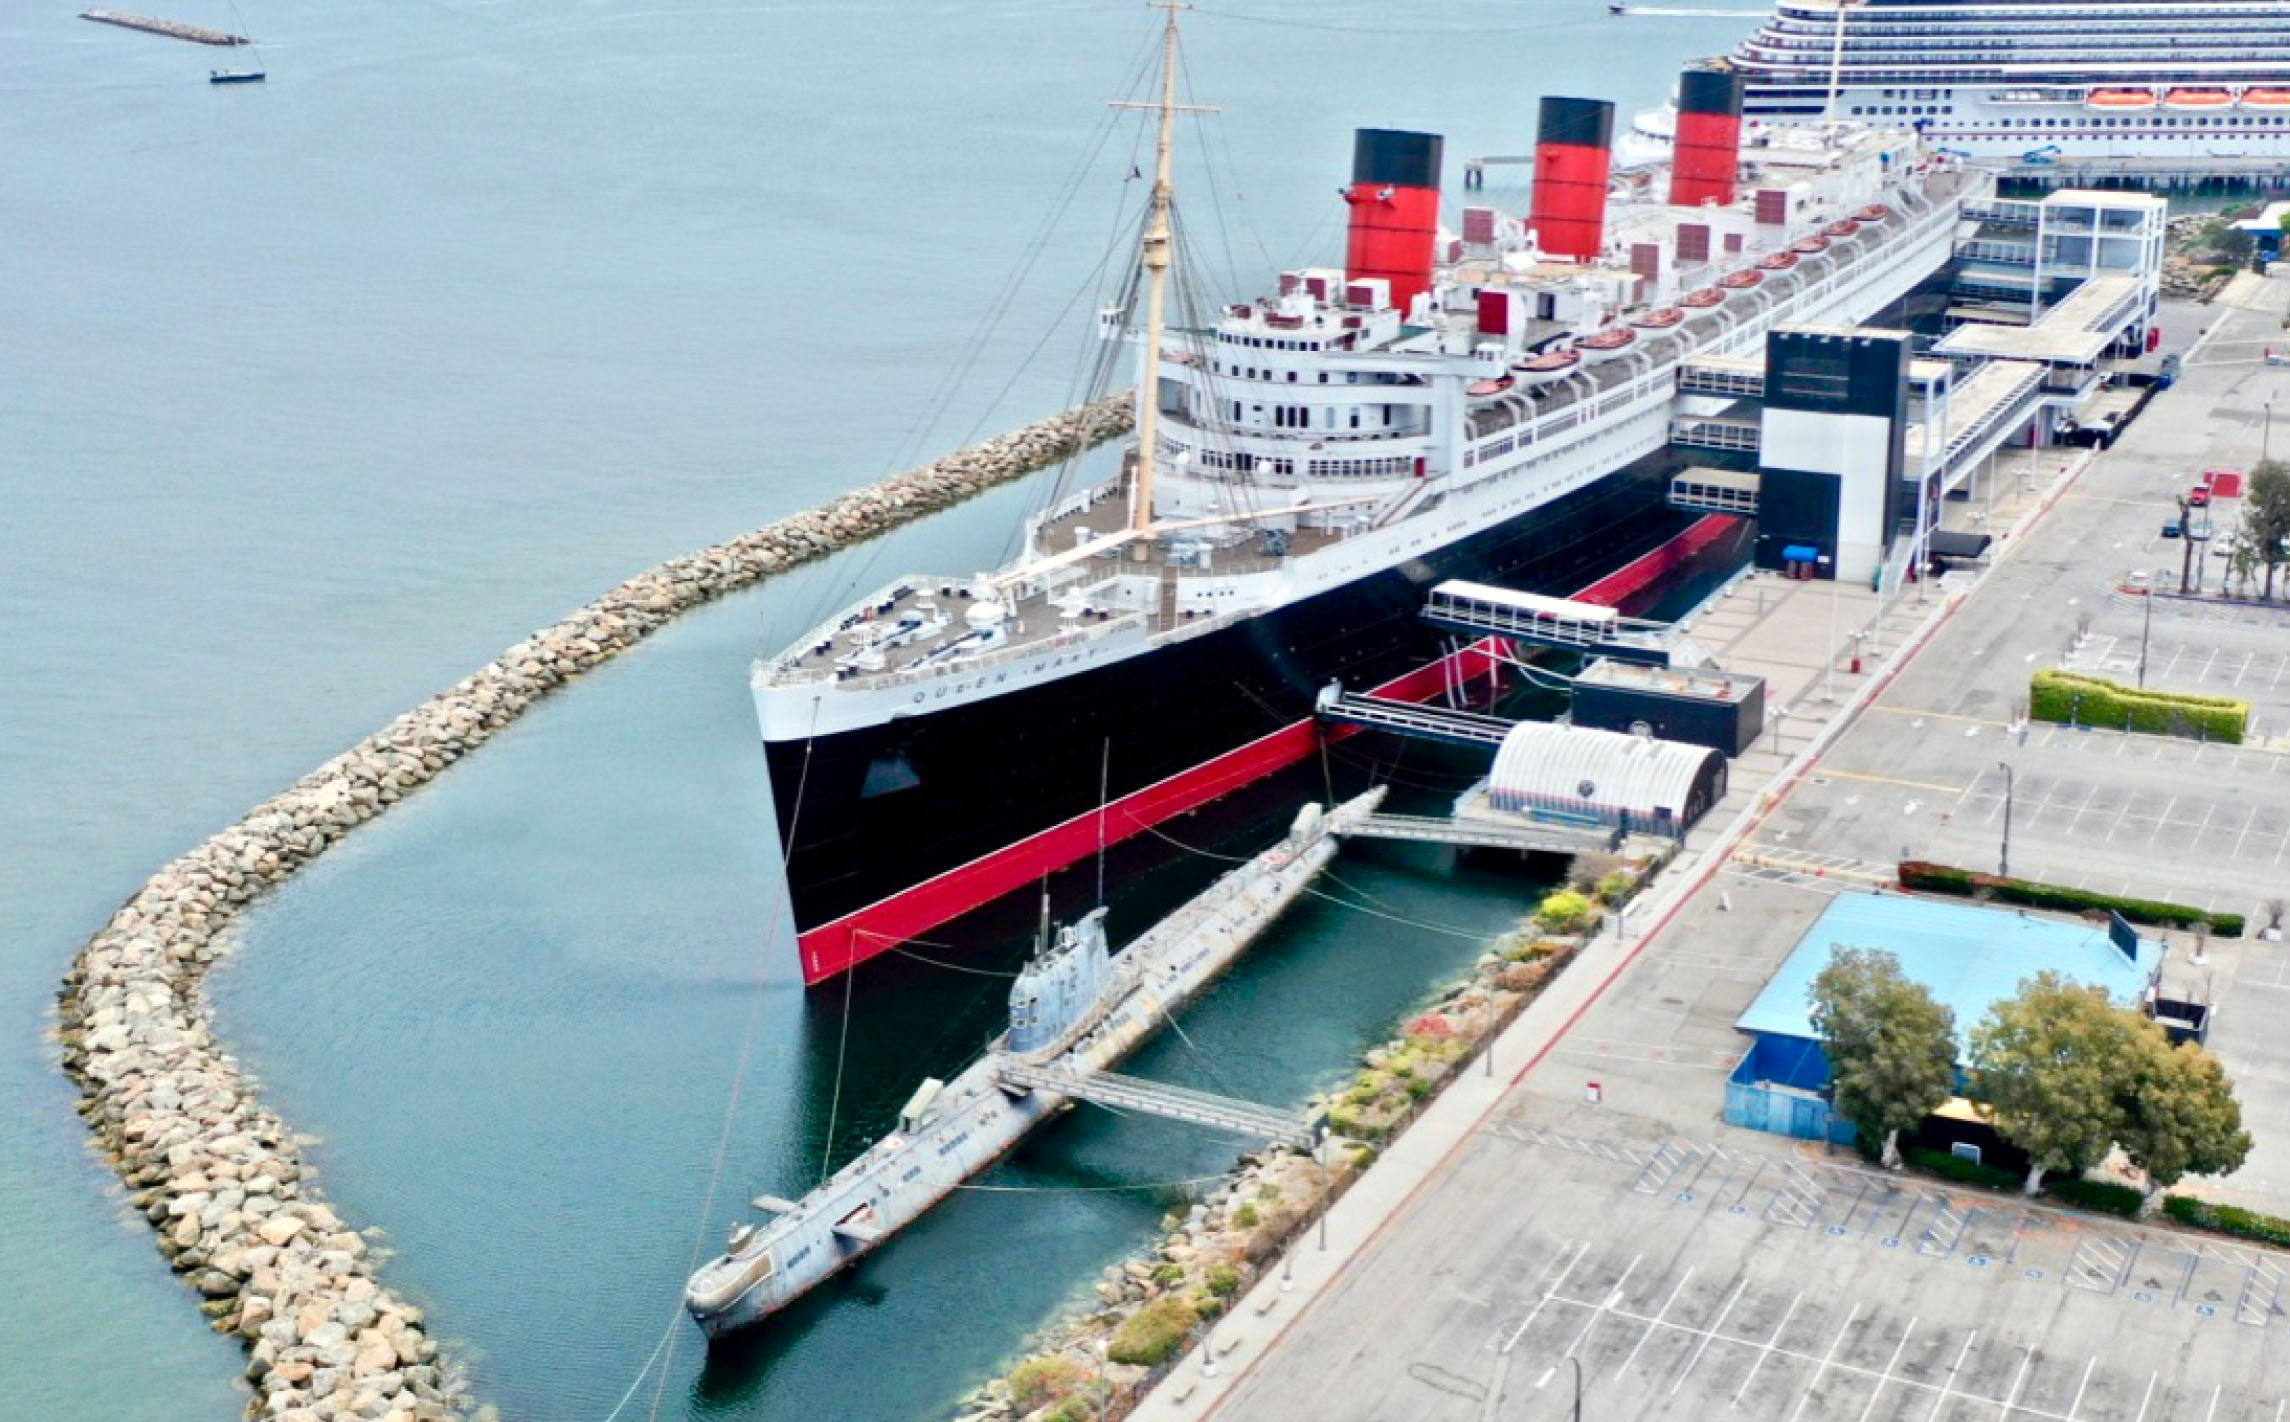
2004,860
1552,1372
2146,625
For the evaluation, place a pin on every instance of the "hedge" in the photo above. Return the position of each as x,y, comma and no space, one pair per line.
2088,700
1970,883
2228,1219
1955,1167
2101,1195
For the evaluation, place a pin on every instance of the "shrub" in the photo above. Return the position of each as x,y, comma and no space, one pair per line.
1168,1274
1152,1335
2102,1195
1246,1217
1958,1169
2228,1219
1966,883
1073,1409
1038,1382
1615,887
1223,1280
1566,912
2069,696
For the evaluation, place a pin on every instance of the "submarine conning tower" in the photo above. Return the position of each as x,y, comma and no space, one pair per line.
1058,988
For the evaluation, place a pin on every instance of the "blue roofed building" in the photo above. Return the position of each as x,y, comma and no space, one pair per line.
1968,956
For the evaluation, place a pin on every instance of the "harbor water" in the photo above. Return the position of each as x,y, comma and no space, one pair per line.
318,393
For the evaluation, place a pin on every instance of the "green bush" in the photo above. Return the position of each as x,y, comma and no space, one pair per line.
1168,1274
1073,1409
1223,1280
1958,1169
2228,1219
1246,1217
1566,912
1152,1335
2101,1195
1617,886
1966,883
1038,1382
2089,700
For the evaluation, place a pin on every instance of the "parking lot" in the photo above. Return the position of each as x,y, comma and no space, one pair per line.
1700,1279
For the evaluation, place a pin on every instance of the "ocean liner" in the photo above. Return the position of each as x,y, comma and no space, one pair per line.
1491,403
2015,79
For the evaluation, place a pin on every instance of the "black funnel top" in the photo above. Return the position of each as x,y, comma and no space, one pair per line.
1578,123
1708,91
1396,158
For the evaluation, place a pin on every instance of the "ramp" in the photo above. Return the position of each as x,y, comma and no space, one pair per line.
1175,1103
1525,835
1480,609
1407,718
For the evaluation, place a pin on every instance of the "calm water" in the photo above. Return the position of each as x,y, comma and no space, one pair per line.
315,394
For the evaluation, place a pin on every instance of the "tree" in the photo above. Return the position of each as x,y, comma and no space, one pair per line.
2266,516
2180,1117
2048,1066
1891,1047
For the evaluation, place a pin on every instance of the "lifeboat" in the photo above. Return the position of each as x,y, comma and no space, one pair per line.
1874,212
2256,98
1606,344
1550,365
1810,245
1778,262
2198,99
1481,389
2121,99
1740,281
1661,320
1702,300
1845,228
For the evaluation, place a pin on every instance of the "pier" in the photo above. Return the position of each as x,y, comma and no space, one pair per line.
172,29
1527,836
1154,1098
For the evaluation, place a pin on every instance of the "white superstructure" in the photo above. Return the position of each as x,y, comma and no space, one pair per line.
2032,80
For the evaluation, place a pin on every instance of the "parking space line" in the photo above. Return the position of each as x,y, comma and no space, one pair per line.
1767,1350
1885,1377
1548,1293
1948,1379
2011,1397
1708,1334
1613,1297
2147,1397
2088,1365
1654,1325
2247,821
1826,1359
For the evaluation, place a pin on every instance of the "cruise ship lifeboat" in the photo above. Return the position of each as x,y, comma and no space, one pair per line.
1809,245
1874,212
1607,344
1550,365
1702,300
1845,228
2256,98
2198,99
1740,281
1658,320
2121,99
1482,389
1778,262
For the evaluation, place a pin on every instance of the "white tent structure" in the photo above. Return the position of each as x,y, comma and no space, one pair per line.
1635,783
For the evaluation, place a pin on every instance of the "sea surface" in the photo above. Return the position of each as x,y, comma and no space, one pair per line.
317,393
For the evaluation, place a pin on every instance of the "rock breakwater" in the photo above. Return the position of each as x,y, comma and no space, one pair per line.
219,1175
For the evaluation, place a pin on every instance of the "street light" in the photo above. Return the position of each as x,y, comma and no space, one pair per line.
1552,1371
2146,625
2004,860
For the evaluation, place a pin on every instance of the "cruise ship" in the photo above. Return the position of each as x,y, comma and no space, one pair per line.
2033,80
1491,402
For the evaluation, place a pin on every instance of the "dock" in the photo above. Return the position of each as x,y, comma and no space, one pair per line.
172,29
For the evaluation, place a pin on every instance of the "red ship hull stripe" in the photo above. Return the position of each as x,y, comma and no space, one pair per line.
846,942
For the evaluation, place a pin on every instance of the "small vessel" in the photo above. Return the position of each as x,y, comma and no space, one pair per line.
1809,246
2259,97
1702,300
1777,262
1550,365
1741,280
236,76
1616,7
1077,1008
1844,228
1659,319
2194,98
1606,344
2121,99
1483,389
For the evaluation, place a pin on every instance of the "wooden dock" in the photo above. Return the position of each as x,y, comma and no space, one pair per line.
173,29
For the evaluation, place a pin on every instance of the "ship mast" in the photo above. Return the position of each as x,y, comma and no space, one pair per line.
1154,258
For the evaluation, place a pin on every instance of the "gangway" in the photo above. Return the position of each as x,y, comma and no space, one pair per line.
1587,627
1528,836
1431,723
1176,1103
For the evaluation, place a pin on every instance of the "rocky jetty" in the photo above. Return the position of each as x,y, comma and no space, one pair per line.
219,1176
